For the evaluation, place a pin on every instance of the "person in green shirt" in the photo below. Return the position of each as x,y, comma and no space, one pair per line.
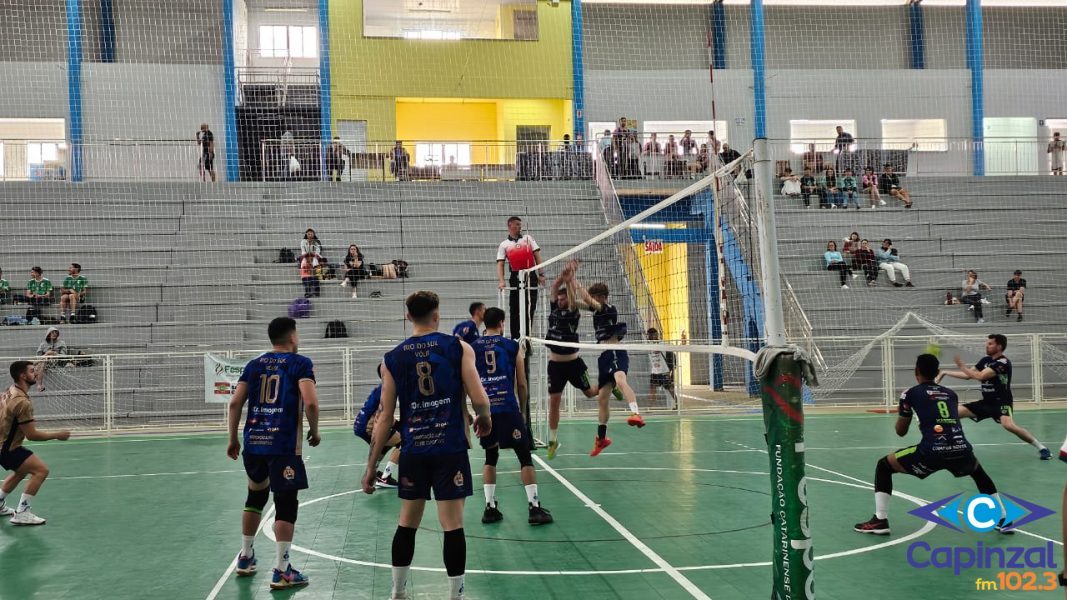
5,289
38,292
75,286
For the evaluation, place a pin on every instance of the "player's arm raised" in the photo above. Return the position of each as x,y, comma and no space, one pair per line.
310,396
380,433
237,403
473,384
971,373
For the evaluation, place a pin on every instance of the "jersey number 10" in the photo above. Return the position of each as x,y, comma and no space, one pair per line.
268,388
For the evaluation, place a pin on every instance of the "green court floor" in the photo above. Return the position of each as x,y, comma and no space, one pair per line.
682,502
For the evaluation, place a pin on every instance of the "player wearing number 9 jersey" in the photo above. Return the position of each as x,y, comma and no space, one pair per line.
943,446
280,389
430,375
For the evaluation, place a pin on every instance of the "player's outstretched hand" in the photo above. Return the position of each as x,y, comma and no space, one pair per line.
368,482
233,450
482,425
63,435
940,376
959,361
314,438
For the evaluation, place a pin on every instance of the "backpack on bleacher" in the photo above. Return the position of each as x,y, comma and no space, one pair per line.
401,268
285,255
300,308
85,314
336,329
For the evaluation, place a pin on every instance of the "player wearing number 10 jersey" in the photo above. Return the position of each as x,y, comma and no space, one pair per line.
430,374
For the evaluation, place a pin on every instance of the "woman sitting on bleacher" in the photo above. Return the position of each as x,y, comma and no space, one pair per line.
836,262
354,268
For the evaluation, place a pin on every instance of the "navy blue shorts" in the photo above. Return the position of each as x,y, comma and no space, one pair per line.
610,363
509,431
448,475
13,459
286,472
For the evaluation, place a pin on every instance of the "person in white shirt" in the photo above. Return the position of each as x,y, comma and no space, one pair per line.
520,251
662,366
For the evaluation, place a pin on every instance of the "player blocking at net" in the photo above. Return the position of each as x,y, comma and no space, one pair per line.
279,387
363,426
430,374
501,366
943,446
16,425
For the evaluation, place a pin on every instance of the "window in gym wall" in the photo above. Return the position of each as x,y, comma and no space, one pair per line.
921,135
822,133
440,155
281,41
451,19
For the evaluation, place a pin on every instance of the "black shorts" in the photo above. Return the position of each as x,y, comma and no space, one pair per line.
573,372
984,409
610,363
448,475
921,465
13,459
286,472
509,431
663,380
208,160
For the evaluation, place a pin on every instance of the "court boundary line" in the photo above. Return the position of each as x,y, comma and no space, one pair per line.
267,516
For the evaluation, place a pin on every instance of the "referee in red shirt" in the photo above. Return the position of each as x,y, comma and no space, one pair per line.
520,251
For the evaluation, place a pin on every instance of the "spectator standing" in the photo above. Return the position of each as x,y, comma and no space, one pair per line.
808,186
863,258
1016,290
889,261
889,183
38,293
75,287
836,262
355,270
714,145
652,146
728,154
335,159
848,188
972,297
870,186
833,196
50,348
670,157
1056,148
308,278
206,140
566,145
520,251
401,161
843,144
623,140
606,154
5,289
687,143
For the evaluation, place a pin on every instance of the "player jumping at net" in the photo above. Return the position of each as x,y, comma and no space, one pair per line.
430,374
363,426
16,425
500,363
612,365
943,446
279,387
662,366
993,371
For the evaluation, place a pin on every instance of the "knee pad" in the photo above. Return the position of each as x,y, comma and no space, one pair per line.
285,506
492,455
256,500
523,454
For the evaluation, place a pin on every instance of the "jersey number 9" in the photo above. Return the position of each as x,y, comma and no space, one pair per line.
490,361
425,372
268,388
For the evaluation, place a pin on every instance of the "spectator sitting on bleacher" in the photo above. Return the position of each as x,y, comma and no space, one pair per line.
728,154
75,287
699,164
652,147
836,262
889,261
852,243
310,248
38,293
807,186
309,279
832,195
790,183
889,183
870,186
863,258
354,268
1014,296
972,297
848,188
51,346
5,289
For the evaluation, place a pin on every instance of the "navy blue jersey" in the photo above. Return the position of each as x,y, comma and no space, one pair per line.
563,327
370,408
466,331
939,420
429,390
275,422
606,323
497,357
996,389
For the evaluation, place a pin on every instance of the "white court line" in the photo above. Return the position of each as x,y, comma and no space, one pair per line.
233,564
672,572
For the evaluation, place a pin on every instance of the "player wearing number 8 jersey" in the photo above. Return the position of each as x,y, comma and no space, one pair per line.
430,375
943,446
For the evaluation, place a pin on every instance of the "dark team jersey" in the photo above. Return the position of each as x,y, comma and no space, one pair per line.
939,421
1014,286
497,357
606,323
370,408
563,327
429,388
997,388
275,423
466,331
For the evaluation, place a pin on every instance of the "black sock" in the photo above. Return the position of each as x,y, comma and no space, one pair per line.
983,481
883,477
455,552
602,431
404,546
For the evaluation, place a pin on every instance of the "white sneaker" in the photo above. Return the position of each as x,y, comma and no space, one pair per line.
980,321
353,294
881,202
5,510
970,307
26,517
344,283
855,275
984,301
844,287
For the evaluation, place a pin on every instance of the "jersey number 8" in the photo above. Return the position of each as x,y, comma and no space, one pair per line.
425,372
942,409
268,388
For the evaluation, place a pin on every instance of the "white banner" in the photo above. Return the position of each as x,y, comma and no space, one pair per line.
220,378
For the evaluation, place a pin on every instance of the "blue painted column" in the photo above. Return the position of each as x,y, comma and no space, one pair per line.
578,69
718,35
918,36
325,106
74,89
976,63
711,273
229,89
107,31
759,89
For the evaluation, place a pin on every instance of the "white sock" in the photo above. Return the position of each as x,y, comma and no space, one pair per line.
24,503
3,494
400,581
881,505
634,409
1000,503
552,435
455,588
490,494
246,544
281,561
390,468
1063,448
1038,445
531,495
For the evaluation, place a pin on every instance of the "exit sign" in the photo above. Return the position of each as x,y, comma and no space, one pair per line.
653,246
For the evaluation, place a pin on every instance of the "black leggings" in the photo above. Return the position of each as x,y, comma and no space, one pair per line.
842,269
531,305
974,300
